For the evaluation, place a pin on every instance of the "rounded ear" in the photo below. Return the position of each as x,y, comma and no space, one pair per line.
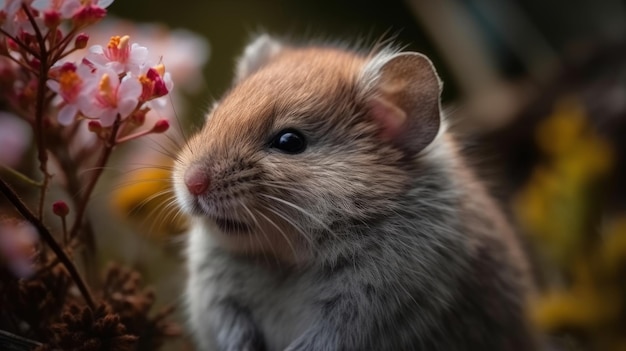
258,52
406,100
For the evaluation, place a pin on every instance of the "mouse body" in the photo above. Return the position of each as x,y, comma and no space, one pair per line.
332,211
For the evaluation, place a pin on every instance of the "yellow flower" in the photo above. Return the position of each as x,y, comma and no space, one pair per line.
613,248
557,133
146,199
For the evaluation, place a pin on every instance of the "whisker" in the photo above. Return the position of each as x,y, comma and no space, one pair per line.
159,210
153,144
180,126
269,242
301,210
166,207
282,233
145,201
296,227
128,184
274,185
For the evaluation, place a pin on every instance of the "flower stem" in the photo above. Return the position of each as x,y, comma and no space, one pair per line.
134,136
42,153
99,168
60,47
22,64
19,43
64,223
21,176
49,239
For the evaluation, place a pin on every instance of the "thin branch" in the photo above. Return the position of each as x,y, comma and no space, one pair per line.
40,38
64,224
99,168
21,176
62,45
42,153
48,239
22,64
70,167
19,43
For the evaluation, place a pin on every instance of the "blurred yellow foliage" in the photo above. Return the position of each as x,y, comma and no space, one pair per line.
146,199
561,208
558,202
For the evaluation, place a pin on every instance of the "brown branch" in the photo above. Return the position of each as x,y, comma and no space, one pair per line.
22,64
19,43
42,153
60,47
48,239
70,167
99,168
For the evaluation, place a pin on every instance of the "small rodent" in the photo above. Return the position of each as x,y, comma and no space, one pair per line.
332,211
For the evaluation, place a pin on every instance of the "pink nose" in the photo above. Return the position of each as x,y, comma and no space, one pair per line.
197,180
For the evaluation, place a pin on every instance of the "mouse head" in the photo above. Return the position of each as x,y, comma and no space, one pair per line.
306,142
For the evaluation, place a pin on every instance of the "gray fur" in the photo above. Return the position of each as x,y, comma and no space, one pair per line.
434,267
408,281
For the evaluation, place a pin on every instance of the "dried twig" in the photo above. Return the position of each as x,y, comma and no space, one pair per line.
49,240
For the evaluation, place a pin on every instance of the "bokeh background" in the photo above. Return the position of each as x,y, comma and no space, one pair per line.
535,89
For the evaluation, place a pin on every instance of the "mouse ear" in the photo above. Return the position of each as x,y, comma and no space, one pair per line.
405,101
256,54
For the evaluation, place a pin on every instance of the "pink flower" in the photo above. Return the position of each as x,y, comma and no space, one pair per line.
90,12
156,83
10,7
14,19
64,8
119,55
107,96
15,139
18,240
69,85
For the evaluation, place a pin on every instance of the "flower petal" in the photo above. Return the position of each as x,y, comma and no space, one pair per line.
41,5
69,8
169,83
67,114
130,88
105,3
126,106
54,85
108,117
138,54
88,105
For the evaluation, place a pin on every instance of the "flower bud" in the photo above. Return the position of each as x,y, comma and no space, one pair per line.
87,15
138,118
12,44
161,126
81,41
35,63
94,126
52,19
60,208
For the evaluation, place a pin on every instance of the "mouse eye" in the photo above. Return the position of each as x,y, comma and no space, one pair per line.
289,141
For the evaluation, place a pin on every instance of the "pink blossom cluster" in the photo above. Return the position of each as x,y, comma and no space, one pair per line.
14,19
113,82
110,82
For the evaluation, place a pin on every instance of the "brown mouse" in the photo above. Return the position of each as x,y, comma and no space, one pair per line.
332,211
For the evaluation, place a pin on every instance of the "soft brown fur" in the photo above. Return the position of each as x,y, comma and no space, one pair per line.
377,236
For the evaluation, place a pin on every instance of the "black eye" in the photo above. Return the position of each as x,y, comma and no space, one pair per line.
289,141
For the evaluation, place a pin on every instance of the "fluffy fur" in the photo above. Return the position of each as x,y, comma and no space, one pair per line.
358,243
